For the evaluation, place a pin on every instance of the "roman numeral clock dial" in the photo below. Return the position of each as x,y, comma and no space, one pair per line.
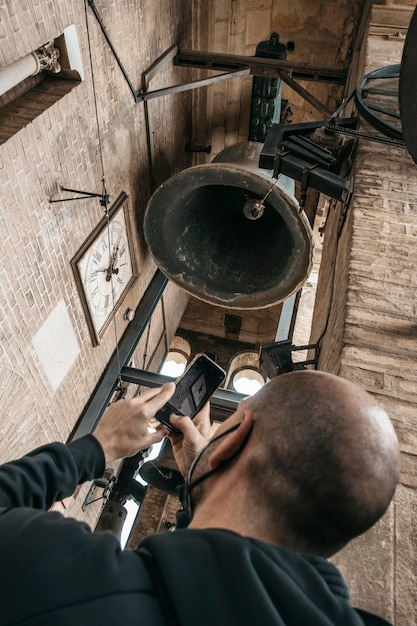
107,267
104,268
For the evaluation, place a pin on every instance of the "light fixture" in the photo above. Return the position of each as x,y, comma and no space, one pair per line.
129,315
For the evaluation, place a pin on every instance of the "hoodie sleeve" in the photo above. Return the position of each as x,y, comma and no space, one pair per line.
54,569
50,473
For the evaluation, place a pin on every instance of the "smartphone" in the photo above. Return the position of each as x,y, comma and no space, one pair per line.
193,389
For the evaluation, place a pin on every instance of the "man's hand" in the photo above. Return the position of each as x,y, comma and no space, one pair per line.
195,435
124,428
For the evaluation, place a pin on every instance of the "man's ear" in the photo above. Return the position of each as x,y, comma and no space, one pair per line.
232,442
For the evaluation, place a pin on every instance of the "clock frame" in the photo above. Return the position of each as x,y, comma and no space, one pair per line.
105,268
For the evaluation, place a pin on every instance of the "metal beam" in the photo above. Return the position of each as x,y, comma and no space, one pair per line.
223,402
279,133
203,82
292,84
286,319
158,65
110,378
112,48
260,66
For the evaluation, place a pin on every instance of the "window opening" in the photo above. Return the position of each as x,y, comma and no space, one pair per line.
174,364
247,381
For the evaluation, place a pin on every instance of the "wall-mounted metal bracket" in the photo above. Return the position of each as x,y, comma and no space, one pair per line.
287,150
106,482
235,66
170,56
232,66
276,358
104,197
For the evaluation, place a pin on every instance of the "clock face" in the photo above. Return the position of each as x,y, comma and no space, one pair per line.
105,270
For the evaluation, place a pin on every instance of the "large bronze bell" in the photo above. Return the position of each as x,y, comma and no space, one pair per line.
227,235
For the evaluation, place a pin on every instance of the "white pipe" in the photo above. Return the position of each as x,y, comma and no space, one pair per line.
18,71
73,50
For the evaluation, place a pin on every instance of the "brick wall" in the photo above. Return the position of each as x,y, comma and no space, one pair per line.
97,123
157,514
368,275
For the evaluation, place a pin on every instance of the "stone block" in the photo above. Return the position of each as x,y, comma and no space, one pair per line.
405,557
220,37
258,26
367,564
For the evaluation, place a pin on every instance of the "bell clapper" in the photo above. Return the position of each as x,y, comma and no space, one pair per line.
254,209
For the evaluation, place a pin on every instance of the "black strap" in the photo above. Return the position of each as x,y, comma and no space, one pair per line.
159,587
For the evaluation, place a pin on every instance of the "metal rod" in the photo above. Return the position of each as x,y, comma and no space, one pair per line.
286,319
84,195
70,199
379,109
222,398
305,94
165,91
116,56
260,66
108,383
159,64
147,76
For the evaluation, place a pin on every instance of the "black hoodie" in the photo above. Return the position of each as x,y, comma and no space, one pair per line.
55,571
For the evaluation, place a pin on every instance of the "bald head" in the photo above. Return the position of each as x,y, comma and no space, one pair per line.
325,459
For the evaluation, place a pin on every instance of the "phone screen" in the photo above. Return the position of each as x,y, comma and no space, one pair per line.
193,389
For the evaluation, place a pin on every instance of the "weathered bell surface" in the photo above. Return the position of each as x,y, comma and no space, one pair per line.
226,237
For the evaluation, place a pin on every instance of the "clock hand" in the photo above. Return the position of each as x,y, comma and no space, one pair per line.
111,269
108,271
114,270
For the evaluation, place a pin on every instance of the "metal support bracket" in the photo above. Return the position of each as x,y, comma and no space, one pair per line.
276,358
280,133
287,151
170,56
104,197
319,179
305,183
233,66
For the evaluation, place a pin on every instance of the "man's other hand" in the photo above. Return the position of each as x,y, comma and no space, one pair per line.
195,434
124,428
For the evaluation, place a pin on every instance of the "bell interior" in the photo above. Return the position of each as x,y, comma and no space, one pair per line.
208,237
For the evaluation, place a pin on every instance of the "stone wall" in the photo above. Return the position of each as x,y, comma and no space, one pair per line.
365,314
96,128
368,335
222,111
